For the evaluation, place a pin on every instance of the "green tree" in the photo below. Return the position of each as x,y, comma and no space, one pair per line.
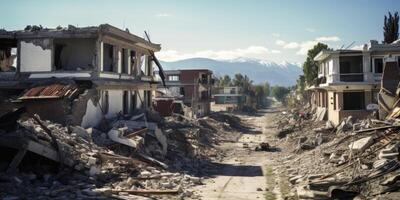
260,95
225,81
301,83
267,89
391,28
279,92
242,81
310,67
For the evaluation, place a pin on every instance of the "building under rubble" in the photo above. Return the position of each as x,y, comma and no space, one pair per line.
191,87
76,76
349,81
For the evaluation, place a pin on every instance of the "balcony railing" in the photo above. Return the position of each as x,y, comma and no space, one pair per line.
352,77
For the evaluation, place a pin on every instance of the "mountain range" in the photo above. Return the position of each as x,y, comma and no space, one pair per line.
283,74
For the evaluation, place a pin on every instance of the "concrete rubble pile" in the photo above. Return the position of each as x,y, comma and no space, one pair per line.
354,160
137,157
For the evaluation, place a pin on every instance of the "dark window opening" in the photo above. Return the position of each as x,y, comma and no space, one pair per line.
74,54
8,56
104,102
57,56
353,101
133,101
108,58
125,103
378,65
351,69
182,91
124,63
132,59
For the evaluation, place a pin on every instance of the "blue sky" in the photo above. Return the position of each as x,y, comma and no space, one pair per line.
225,29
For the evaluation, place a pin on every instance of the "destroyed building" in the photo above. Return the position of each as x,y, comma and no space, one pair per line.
76,76
191,87
349,81
232,97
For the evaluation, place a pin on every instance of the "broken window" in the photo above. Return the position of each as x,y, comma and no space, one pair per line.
125,103
74,54
8,58
353,100
108,58
132,59
351,69
104,102
124,63
378,65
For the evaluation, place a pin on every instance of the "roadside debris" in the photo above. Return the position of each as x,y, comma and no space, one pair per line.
135,157
356,159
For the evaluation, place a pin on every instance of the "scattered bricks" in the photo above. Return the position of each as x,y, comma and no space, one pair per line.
361,144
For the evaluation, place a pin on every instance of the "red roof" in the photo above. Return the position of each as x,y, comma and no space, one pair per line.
50,91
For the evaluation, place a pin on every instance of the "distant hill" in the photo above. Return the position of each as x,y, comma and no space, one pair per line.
284,74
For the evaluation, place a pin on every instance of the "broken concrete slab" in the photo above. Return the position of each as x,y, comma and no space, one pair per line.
361,144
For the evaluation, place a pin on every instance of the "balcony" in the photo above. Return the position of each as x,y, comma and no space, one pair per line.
352,77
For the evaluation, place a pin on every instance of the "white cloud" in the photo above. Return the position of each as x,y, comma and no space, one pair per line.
163,15
258,52
328,39
276,35
280,42
304,46
311,30
291,45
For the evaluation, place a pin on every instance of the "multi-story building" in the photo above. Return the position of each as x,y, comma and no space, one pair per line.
229,95
349,80
77,75
192,86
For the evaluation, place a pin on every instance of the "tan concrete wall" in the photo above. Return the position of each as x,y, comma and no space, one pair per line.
333,114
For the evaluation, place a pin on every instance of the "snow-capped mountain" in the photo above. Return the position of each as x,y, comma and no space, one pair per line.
259,71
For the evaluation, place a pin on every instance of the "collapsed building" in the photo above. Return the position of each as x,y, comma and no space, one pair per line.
348,81
186,91
76,76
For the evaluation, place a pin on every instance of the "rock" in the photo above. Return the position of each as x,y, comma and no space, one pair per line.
93,171
361,144
145,174
91,160
259,189
167,185
391,180
282,133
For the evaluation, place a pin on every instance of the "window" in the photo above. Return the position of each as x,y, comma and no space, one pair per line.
8,59
353,101
104,102
173,78
108,58
334,101
133,101
125,103
182,91
132,59
351,69
124,56
378,65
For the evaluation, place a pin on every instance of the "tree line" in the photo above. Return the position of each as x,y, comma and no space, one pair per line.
259,91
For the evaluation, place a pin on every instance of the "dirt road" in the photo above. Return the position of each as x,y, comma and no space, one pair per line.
245,173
